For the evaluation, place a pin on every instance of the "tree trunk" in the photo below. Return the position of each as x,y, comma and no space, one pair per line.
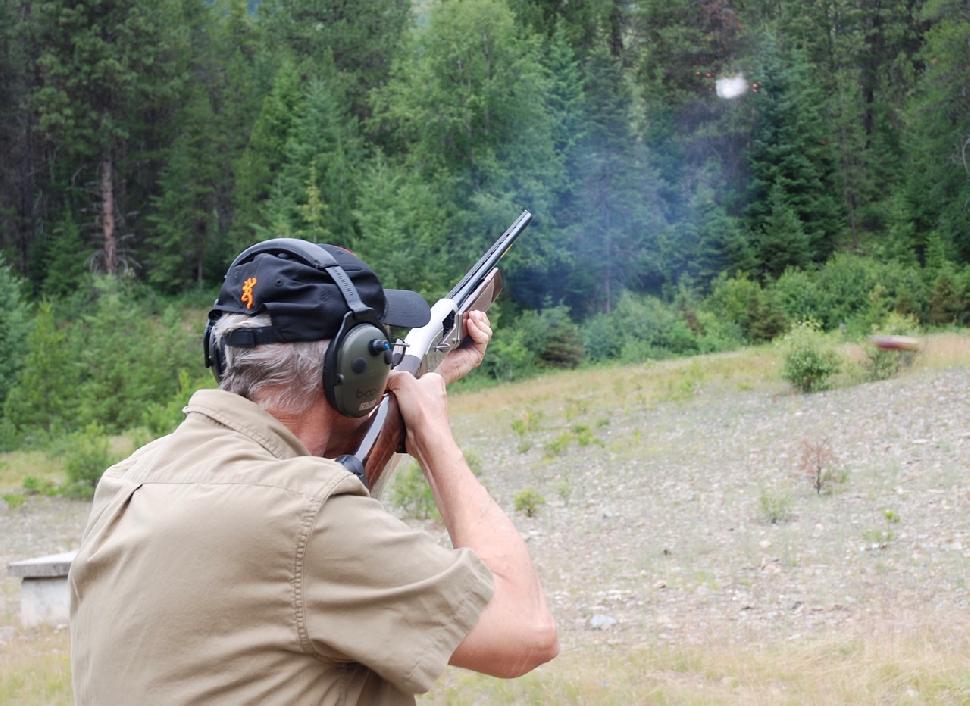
110,245
616,29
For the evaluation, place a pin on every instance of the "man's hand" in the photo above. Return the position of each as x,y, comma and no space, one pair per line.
469,355
424,407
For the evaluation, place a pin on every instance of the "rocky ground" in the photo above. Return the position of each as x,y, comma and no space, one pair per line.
662,533
657,523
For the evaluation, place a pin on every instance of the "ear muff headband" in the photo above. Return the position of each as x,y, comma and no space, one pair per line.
358,359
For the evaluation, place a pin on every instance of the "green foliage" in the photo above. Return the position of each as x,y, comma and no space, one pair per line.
558,445
552,337
14,327
809,360
412,494
162,417
743,302
14,500
882,364
528,502
44,395
40,486
87,456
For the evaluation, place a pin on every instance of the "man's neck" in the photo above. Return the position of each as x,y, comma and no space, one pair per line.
321,430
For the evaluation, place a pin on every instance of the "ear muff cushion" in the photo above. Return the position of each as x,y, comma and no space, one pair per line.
355,369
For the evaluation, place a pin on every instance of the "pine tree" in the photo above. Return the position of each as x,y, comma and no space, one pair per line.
264,155
938,147
792,157
44,395
14,325
315,192
781,241
105,73
185,213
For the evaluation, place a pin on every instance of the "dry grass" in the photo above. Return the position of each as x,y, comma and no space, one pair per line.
612,387
17,465
35,669
882,668
919,666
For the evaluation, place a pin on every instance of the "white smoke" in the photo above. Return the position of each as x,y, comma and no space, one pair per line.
730,86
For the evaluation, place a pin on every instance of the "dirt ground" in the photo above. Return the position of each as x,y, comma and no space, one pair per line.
654,527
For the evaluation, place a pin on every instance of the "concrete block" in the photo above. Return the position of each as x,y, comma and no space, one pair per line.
44,593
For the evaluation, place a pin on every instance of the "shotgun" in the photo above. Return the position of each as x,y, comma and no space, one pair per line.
424,349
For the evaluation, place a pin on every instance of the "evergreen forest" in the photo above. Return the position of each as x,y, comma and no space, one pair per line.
704,174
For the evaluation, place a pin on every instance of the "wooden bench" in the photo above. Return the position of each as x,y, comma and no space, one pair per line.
44,593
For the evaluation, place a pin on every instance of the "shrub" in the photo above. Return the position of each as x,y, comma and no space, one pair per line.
817,463
775,506
412,494
87,457
743,302
15,324
809,361
882,364
508,357
552,337
528,502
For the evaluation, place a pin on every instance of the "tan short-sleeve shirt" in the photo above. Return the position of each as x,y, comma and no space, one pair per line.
222,564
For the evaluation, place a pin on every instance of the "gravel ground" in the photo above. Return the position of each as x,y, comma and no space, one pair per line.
659,535
655,532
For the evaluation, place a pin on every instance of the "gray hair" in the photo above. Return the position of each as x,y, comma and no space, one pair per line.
280,376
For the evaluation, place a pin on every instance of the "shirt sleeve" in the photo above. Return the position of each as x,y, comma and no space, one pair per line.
378,593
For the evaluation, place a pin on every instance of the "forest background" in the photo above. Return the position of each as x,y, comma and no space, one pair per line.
143,144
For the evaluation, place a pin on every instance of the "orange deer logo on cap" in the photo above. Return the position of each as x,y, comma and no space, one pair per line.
247,293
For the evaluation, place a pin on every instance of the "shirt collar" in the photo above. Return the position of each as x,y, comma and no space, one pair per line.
247,418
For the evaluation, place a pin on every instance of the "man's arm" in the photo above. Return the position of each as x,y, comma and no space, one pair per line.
516,632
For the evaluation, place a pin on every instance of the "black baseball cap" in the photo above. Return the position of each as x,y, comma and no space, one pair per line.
293,281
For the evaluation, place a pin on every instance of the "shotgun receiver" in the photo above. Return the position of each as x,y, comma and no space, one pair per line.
425,348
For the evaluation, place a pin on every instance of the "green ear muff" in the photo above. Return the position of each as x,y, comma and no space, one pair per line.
356,367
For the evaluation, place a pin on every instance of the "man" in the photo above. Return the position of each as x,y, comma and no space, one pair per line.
233,562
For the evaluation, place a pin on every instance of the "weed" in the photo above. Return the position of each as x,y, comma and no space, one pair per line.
818,463
14,500
412,494
602,422
584,436
529,421
558,446
891,517
878,537
564,489
523,446
775,506
40,486
474,462
528,502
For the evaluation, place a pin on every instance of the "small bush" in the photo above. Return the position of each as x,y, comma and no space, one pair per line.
585,436
809,360
40,486
558,446
882,364
818,463
14,500
87,457
528,502
775,506
553,337
412,494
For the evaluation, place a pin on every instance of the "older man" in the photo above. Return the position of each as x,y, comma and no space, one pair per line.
233,562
